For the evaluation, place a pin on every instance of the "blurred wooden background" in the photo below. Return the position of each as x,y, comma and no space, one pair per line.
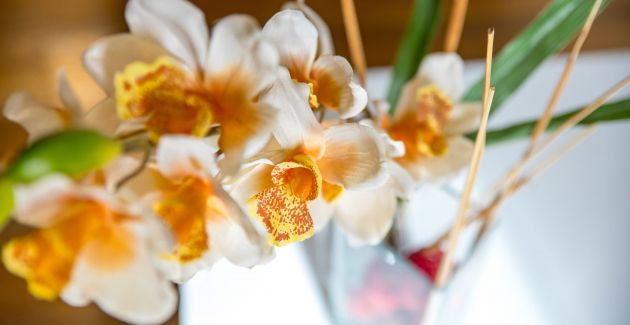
38,37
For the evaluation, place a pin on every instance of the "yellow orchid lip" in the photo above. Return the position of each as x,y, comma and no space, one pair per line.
46,257
282,208
422,130
185,206
162,93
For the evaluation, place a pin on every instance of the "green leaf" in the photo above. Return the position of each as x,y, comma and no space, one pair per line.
616,111
420,30
6,201
72,152
549,33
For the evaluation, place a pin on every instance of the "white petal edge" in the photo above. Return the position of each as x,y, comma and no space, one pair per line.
37,119
103,117
295,122
37,204
137,293
458,156
446,71
179,155
295,37
109,55
177,25
354,156
465,118
325,45
68,98
367,215
237,42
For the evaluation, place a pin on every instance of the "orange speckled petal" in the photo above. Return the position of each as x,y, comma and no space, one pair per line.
284,215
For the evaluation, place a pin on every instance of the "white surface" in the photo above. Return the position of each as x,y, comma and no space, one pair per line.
280,292
560,255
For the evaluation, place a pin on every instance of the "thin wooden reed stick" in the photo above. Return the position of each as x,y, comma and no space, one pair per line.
515,186
355,43
455,25
545,118
568,124
446,265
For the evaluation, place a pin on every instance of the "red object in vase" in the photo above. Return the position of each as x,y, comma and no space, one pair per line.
427,260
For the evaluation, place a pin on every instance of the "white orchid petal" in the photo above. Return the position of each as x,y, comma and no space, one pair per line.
446,71
237,238
38,120
37,204
440,169
111,54
136,293
325,45
367,215
353,157
403,182
179,155
335,89
68,97
177,25
465,118
295,38
321,212
103,117
237,42
246,133
407,102
295,123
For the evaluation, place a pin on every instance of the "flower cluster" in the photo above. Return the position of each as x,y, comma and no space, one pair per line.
254,138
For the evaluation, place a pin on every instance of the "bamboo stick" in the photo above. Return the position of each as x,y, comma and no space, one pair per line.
455,25
446,265
355,43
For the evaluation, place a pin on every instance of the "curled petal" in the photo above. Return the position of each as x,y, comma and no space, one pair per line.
38,120
296,40
112,54
402,181
465,118
334,88
179,156
237,42
353,156
177,25
367,215
295,123
325,45
446,71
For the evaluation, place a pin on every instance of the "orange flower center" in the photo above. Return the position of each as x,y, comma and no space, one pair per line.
422,130
162,94
46,257
185,207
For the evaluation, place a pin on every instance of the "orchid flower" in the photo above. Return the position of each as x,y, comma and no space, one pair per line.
431,122
366,215
89,246
306,162
169,77
40,119
206,223
329,77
